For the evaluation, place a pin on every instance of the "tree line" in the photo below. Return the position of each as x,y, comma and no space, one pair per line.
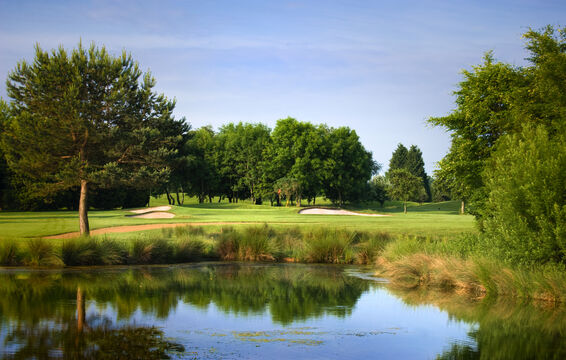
296,161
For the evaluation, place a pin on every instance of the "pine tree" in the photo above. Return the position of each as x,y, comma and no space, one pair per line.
399,158
415,165
87,119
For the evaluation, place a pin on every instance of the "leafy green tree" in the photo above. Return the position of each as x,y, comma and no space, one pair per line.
289,188
484,102
86,118
526,180
202,177
242,147
4,174
297,151
404,186
348,166
378,189
440,188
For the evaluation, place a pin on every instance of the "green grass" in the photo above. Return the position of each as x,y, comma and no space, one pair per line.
437,218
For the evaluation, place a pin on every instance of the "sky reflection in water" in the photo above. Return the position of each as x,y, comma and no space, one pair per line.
256,311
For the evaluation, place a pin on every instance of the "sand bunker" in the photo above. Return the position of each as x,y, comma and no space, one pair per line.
157,212
320,211
154,215
151,209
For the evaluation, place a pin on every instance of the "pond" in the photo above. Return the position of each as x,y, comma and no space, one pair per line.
283,311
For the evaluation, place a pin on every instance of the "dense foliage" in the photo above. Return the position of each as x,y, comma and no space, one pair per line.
295,161
403,186
508,154
86,119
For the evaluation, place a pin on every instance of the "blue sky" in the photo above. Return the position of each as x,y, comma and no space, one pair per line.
380,67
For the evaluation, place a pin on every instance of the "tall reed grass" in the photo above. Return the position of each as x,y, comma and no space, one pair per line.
411,262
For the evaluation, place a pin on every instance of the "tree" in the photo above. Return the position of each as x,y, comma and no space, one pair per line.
87,119
378,188
508,155
526,180
399,158
484,102
202,177
404,186
241,149
347,167
297,151
415,165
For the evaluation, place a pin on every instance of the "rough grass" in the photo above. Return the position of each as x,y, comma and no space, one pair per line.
412,262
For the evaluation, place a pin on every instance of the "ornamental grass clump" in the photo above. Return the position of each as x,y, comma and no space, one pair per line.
370,246
39,252
151,251
329,246
227,243
258,244
10,253
188,250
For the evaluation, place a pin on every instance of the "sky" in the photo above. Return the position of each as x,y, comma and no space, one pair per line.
379,67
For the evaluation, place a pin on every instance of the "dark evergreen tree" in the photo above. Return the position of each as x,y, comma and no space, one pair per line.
86,119
399,158
415,165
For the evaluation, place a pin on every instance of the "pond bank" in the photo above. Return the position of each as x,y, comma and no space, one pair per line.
407,261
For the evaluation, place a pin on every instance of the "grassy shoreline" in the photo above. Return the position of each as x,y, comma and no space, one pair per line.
446,263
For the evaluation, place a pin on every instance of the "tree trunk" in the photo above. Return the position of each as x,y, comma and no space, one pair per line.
404,207
80,310
299,201
462,208
168,196
178,198
83,209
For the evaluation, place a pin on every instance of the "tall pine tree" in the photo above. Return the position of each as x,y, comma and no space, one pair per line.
412,161
399,158
87,119
415,165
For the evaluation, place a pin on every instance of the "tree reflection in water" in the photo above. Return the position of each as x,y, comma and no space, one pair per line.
37,313
502,328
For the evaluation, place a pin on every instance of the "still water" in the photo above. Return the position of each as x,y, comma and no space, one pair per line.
241,311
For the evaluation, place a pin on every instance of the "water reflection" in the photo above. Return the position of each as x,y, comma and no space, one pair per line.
238,310
501,327
44,312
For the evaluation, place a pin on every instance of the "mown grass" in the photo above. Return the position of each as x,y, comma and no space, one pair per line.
438,218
